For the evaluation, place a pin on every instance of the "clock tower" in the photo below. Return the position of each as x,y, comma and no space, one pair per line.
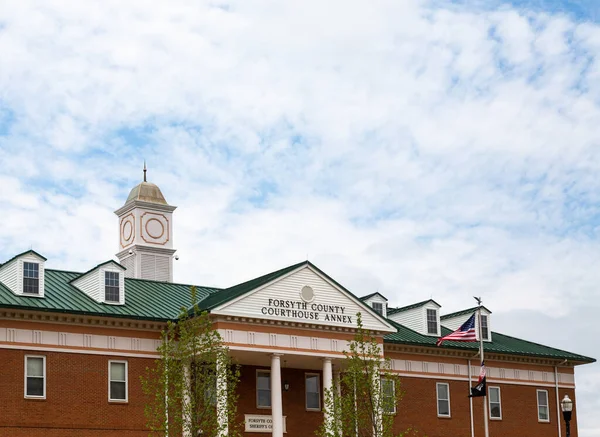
146,234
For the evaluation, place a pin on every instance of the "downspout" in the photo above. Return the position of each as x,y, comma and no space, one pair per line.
558,397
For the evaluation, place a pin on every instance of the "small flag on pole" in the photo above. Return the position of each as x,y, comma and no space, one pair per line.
479,389
465,333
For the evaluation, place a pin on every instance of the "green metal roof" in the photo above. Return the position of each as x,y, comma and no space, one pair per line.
150,300
231,293
153,300
501,344
463,312
391,311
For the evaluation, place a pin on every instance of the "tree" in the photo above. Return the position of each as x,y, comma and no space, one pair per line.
191,389
363,402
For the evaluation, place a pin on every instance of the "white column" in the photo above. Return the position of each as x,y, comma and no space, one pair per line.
186,418
337,382
222,404
276,404
327,387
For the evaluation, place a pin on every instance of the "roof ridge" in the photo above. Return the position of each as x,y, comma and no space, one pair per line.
542,345
461,312
411,306
139,279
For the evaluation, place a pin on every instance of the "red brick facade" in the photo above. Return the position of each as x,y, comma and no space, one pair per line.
77,403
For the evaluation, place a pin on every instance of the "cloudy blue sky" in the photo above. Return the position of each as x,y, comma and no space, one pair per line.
418,148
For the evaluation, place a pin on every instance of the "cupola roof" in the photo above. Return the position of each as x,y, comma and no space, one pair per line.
146,192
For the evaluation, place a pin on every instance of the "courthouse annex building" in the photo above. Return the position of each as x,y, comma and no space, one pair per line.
73,346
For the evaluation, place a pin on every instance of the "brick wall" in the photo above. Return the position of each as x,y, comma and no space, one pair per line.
418,410
77,404
76,401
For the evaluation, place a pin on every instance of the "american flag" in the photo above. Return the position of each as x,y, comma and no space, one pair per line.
466,332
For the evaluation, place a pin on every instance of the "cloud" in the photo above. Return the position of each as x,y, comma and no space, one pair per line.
422,149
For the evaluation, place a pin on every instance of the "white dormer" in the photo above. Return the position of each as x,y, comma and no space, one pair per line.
423,317
24,274
376,301
454,320
105,283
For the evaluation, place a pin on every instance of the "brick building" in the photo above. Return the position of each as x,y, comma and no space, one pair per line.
73,346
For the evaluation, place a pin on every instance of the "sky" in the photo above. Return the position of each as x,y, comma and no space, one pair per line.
422,149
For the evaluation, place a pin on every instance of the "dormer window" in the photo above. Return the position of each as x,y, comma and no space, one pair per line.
111,286
31,278
485,333
378,307
432,322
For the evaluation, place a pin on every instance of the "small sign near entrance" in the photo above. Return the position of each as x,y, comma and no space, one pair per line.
260,423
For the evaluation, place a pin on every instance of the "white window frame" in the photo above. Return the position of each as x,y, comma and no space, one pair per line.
537,400
499,402
39,279
393,394
382,313
437,399
43,357
437,323
122,401
104,274
306,392
270,388
487,326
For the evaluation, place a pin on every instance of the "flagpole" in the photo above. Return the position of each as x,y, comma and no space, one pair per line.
485,402
471,400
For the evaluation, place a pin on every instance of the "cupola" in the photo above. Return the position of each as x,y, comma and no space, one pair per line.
146,233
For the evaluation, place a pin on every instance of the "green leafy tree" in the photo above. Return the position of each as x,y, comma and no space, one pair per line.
363,402
191,389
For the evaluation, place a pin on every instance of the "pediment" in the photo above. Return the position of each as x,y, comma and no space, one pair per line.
304,295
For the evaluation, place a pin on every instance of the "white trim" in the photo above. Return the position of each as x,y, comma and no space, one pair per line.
499,402
437,399
306,392
537,400
113,352
43,357
256,387
121,401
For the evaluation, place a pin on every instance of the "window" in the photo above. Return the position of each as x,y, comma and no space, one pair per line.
495,404
432,324
443,399
263,389
377,307
31,278
542,401
485,333
313,395
111,286
35,377
388,396
117,381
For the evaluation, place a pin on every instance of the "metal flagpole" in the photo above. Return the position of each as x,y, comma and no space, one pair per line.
471,401
485,402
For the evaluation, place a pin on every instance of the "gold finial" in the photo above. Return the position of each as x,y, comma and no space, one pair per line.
145,170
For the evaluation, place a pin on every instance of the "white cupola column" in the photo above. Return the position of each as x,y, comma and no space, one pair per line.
276,401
